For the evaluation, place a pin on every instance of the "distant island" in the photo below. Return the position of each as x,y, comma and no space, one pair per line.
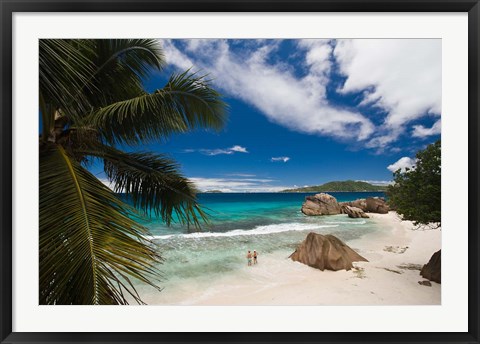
341,186
213,191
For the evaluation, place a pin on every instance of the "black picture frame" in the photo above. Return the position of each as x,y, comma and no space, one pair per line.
8,7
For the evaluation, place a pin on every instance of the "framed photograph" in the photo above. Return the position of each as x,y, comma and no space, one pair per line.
242,171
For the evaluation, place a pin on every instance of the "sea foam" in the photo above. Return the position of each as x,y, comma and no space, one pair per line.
259,230
347,222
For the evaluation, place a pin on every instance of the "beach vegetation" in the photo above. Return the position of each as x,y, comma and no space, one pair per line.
93,107
416,192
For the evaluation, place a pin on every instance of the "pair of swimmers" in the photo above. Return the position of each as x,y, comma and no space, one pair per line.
250,256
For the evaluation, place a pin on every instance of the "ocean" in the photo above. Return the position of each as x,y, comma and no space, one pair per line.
270,223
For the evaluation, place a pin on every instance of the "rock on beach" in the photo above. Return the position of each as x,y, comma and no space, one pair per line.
321,204
325,252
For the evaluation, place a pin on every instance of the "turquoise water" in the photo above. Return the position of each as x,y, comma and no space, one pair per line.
270,223
233,211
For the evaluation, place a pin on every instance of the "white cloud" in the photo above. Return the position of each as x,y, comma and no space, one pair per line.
401,76
318,55
236,185
218,151
280,158
240,175
402,164
239,149
206,184
297,103
172,54
395,149
421,131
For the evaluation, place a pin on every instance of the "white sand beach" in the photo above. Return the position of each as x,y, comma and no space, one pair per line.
390,277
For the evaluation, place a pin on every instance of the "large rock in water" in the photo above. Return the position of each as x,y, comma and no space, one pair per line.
359,203
433,269
354,212
325,252
321,204
376,205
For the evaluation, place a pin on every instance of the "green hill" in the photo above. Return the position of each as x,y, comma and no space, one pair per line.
343,186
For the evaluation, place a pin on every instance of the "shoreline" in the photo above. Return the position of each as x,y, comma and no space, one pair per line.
395,252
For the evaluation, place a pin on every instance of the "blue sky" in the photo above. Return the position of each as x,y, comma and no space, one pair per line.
305,112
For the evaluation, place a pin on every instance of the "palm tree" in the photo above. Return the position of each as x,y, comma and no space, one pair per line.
91,103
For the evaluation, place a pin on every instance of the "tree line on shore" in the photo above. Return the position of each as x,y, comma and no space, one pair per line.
416,191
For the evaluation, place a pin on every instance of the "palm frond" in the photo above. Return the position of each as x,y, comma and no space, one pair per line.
79,75
187,102
139,56
90,247
121,64
153,182
65,66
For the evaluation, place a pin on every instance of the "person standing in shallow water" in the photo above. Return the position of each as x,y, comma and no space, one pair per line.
255,257
249,258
